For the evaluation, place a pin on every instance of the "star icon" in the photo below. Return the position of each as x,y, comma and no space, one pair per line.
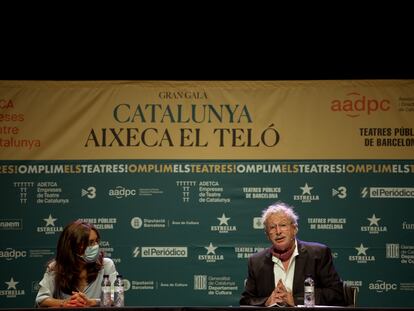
306,189
11,284
50,221
223,220
211,249
361,250
373,220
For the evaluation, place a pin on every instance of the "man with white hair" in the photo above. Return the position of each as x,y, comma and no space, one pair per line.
276,275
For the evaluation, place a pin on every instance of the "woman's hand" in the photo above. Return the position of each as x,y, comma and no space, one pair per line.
77,299
88,302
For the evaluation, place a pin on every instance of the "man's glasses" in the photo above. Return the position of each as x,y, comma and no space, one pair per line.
282,226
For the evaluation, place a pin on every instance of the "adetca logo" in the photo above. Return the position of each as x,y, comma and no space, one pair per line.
356,104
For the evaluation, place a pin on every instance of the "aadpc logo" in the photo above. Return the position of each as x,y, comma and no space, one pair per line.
381,286
354,104
12,254
121,192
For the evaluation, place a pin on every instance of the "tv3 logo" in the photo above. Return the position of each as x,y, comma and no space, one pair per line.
90,192
339,192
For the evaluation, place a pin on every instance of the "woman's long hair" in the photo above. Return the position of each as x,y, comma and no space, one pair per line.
68,264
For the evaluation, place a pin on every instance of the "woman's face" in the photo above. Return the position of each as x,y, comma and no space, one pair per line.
281,231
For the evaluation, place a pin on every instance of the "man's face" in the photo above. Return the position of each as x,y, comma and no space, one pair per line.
280,231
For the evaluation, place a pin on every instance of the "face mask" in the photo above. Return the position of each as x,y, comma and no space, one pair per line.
91,253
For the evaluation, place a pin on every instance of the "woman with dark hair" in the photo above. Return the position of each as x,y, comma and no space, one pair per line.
73,278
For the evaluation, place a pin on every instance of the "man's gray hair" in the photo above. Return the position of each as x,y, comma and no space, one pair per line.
282,208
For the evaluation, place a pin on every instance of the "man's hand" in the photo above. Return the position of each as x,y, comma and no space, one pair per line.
280,296
284,294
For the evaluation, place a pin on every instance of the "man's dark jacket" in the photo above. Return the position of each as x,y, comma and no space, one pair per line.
314,259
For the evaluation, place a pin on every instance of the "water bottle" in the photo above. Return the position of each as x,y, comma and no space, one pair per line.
119,298
105,292
309,288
